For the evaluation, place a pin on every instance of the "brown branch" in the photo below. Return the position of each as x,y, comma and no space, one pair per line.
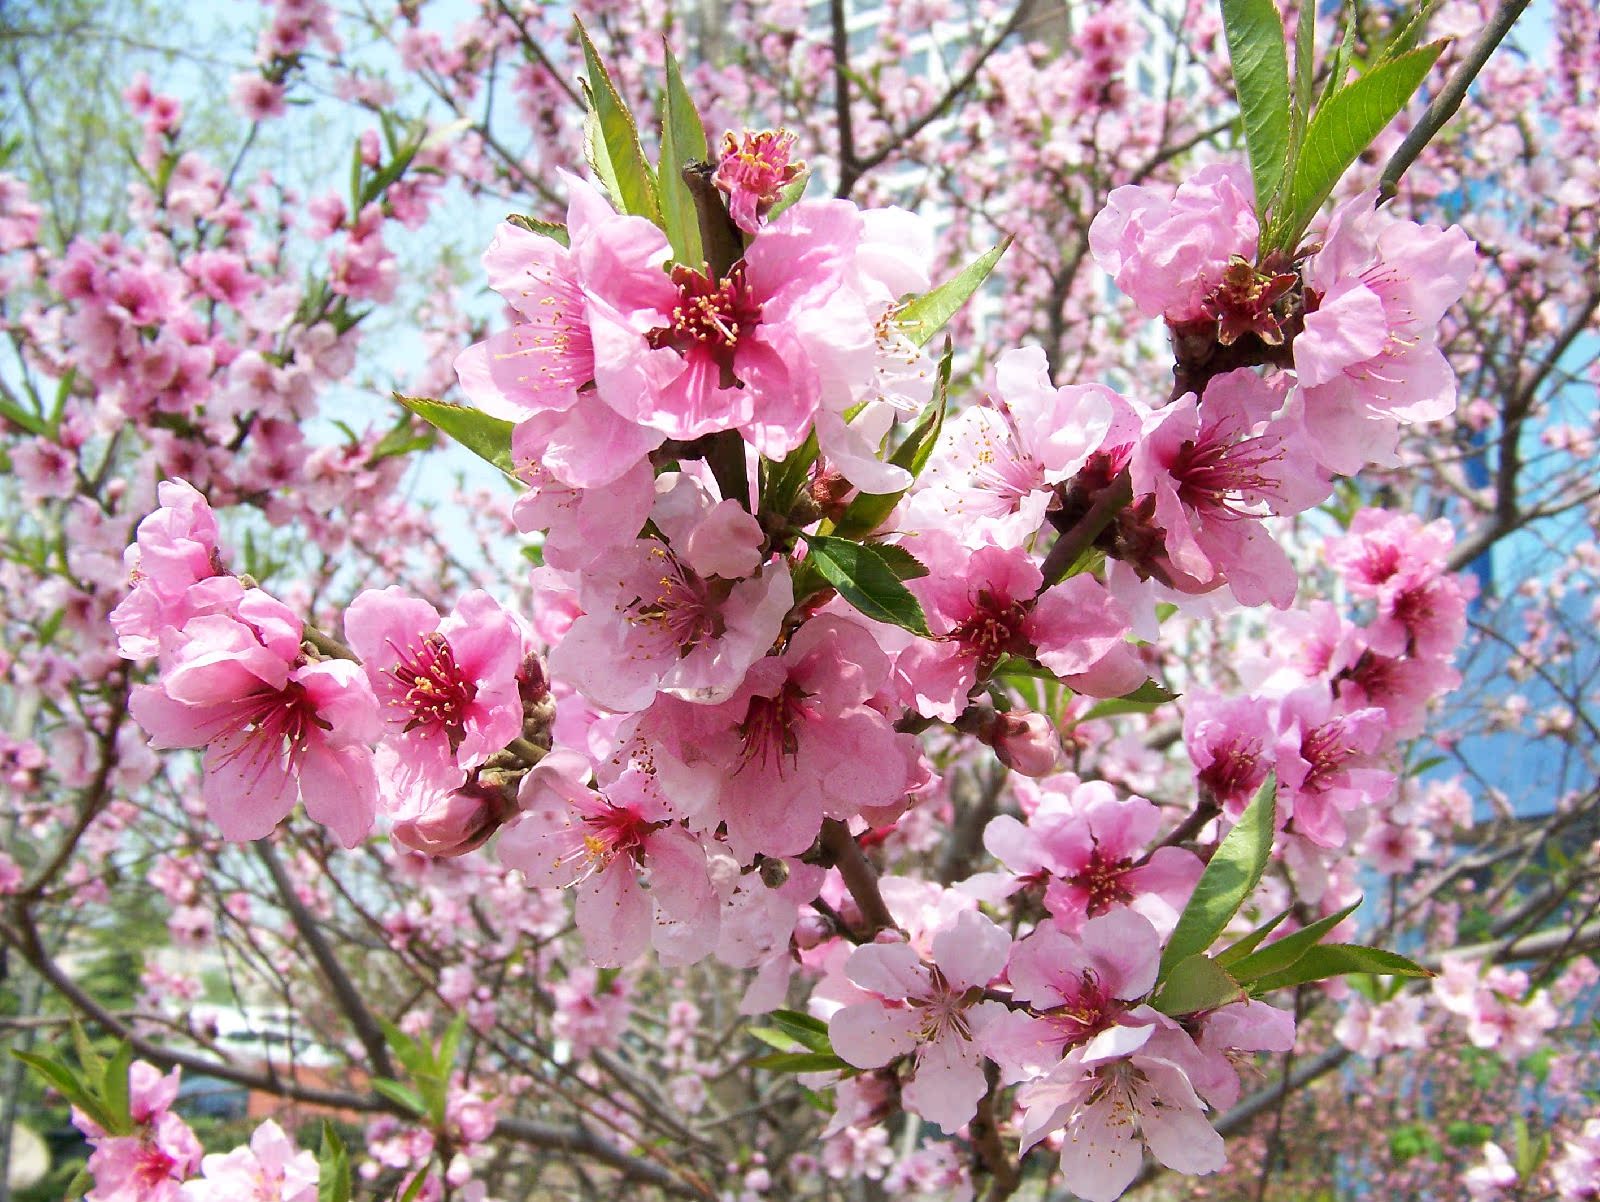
1079,538
859,876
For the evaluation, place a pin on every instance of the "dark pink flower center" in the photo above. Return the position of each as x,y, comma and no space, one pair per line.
771,727
1235,768
711,314
1102,878
684,607
153,1167
437,691
1213,474
616,832
1085,1011
995,628
1326,751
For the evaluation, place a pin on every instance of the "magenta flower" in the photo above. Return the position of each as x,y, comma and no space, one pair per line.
1323,764
937,1013
570,835
1076,987
273,725
752,171
149,1166
1214,470
797,741
448,688
1368,357
981,606
1231,743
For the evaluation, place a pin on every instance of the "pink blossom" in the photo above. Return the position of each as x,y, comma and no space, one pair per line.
273,725
1576,1171
1492,1177
148,1166
935,1013
1231,744
1169,253
1025,742
174,550
1076,987
1368,358
271,1168
452,823
448,687
752,171
1213,470
256,97
1323,764
601,842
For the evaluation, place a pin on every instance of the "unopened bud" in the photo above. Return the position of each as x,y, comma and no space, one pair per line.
1026,742
460,822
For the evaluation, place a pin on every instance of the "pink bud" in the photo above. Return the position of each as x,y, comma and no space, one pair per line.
459,823
1025,742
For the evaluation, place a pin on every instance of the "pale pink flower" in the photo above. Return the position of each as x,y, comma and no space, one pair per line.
174,550
1492,1177
270,1168
448,687
935,1013
571,835
1368,358
1576,1172
1168,252
273,725
1076,987
257,98
149,1166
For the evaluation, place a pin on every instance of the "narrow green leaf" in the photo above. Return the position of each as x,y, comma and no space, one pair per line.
487,437
868,510
1197,984
402,1095
683,141
416,1185
790,193
1406,36
781,482
1337,960
1260,60
18,416
925,316
554,230
333,1167
615,131
1242,947
1142,700
775,1038
800,1062
1231,876
809,1032
114,1085
1277,956
450,1045
869,580
92,1062
1341,128
62,1079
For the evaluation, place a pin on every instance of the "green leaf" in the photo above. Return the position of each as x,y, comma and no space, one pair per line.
925,316
1242,947
800,1062
18,416
781,482
868,510
1142,700
790,193
485,436
614,138
1196,984
1337,960
1341,128
810,1033
554,230
1406,37
62,1079
416,1185
1277,956
1260,60
450,1045
775,1038
868,579
333,1167
403,1096
114,1085
683,141
1231,876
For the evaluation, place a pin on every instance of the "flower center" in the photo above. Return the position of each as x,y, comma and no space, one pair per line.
1102,879
1326,751
437,692
1213,474
771,728
994,628
1086,1012
711,314
1234,769
683,609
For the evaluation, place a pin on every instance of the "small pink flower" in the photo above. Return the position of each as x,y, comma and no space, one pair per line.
937,1012
448,687
752,172
270,1168
273,725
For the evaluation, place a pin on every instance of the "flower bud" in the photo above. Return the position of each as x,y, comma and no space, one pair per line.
460,822
1025,742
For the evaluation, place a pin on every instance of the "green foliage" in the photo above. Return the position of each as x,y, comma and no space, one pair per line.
925,316
1195,984
333,1167
611,139
487,437
428,1067
802,1043
683,141
96,1086
1260,62
1327,960
554,230
1231,876
1142,700
869,576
